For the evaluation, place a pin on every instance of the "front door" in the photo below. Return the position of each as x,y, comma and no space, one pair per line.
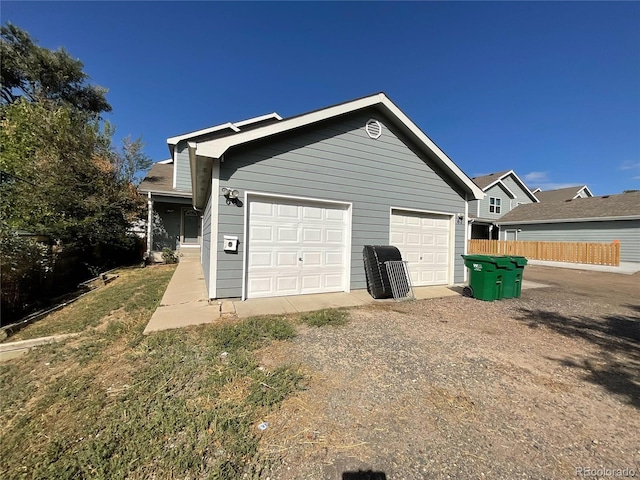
190,227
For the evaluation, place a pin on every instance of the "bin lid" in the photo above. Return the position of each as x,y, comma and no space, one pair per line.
500,262
519,261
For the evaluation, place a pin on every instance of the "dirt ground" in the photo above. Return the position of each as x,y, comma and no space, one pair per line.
535,387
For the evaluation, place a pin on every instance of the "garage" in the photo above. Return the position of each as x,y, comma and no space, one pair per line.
424,241
296,247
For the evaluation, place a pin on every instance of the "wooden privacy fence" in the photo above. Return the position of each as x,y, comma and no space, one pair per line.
573,252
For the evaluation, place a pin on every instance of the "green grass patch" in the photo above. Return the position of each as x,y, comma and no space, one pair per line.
115,404
321,318
136,290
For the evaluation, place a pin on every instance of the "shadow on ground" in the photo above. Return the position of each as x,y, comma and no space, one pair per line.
616,367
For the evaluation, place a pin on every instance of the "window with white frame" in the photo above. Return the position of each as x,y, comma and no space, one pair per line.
495,205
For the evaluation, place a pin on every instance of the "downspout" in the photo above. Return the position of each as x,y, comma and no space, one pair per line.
149,224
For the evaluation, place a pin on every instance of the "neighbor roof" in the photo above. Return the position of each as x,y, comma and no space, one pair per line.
487,181
624,206
562,194
216,148
159,179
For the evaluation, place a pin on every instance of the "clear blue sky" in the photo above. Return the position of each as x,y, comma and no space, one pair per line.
551,89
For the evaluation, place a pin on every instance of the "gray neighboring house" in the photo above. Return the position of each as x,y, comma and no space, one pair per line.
591,219
504,191
562,194
174,223
288,204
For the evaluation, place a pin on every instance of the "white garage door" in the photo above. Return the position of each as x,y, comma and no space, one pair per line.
423,240
296,247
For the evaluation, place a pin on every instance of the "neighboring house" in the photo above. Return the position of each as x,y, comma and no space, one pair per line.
504,191
562,194
591,219
288,205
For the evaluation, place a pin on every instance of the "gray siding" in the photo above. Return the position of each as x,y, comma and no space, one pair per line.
336,161
627,231
498,192
166,223
206,243
521,195
473,207
182,168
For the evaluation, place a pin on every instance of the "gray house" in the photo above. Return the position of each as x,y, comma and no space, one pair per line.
590,219
288,204
504,191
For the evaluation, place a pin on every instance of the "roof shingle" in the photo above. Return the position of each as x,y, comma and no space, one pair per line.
607,206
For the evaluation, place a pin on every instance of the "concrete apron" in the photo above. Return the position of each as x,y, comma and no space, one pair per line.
185,302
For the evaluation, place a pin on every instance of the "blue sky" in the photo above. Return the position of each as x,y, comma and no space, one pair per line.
549,89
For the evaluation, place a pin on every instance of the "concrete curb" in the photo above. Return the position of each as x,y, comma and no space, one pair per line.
15,349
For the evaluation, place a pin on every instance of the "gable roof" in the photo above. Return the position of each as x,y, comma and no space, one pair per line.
228,128
561,194
216,148
159,179
624,206
485,182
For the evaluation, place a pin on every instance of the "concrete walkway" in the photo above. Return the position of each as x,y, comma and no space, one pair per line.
627,268
185,300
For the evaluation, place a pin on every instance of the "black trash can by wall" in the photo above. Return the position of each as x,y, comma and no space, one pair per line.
374,256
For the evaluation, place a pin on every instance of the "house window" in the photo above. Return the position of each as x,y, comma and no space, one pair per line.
495,205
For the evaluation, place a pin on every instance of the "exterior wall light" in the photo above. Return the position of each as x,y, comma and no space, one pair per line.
231,195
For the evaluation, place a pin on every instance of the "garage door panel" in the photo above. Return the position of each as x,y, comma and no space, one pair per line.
287,284
287,211
261,259
311,235
261,233
287,233
423,240
307,242
260,285
259,210
338,215
286,259
312,213
335,235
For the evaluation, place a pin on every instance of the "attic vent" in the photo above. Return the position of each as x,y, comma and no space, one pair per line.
373,128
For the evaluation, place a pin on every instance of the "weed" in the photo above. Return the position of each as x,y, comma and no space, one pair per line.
116,404
321,318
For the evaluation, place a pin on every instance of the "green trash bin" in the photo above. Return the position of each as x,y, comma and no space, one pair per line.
486,276
513,277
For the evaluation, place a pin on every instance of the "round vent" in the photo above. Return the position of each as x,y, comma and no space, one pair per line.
373,128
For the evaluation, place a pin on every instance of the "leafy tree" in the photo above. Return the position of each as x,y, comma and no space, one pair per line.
37,73
61,175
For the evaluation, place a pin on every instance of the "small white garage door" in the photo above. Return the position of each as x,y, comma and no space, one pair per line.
296,247
423,240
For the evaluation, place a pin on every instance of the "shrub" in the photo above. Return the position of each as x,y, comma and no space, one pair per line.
168,256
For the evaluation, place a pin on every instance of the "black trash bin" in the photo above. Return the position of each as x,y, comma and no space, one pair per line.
375,270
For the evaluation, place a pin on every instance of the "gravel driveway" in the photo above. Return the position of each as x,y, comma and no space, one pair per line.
535,387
